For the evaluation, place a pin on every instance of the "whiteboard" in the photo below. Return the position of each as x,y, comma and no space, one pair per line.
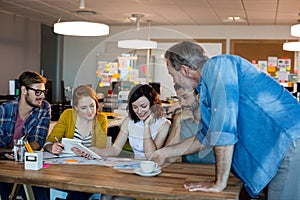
211,49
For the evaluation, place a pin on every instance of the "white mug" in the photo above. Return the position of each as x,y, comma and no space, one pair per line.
148,166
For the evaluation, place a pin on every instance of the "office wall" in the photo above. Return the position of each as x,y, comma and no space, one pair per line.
20,43
19,48
81,54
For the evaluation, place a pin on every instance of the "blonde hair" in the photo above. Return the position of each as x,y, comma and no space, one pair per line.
84,91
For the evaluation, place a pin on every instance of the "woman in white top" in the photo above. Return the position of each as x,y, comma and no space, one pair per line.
145,126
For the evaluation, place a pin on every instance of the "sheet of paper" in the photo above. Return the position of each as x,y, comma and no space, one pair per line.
73,160
87,150
121,163
272,61
47,155
68,144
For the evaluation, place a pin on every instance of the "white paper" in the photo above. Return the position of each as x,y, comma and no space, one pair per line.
12,87
68,144
283,76
123,63
272,61
262,65
87,150
79,160
47,155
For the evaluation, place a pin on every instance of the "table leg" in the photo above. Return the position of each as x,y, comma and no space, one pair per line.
14,191
28,192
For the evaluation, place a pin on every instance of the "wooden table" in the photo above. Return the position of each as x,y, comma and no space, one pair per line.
102,179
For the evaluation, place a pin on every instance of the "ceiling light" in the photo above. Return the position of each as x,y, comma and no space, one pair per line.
81,28
234,18
134,17
137,43
291,46
295,30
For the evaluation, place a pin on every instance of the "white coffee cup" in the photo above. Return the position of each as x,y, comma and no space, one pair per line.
148,166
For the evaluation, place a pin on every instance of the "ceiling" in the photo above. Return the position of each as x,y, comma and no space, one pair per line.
160,12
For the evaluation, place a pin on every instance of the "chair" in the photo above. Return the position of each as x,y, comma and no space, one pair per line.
54,194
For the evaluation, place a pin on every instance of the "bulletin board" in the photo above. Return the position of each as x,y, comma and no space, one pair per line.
261,50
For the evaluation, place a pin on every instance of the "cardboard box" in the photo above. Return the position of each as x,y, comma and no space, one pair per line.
34,161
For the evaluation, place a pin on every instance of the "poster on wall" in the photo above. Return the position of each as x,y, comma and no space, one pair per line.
272,61
284,64
123,62
101,66
113,68
263,65
134,75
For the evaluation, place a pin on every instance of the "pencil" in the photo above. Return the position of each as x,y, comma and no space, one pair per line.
28,147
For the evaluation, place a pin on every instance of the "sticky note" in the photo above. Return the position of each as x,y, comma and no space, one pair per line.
71,161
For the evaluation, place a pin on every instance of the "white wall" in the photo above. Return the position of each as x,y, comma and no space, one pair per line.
81,54
19,48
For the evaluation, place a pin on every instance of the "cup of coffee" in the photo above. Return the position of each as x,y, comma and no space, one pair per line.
148,166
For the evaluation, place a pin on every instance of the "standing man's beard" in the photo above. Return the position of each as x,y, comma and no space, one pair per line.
30,103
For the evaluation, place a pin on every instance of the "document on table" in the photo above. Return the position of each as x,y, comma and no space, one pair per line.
48,155
121,163
115,162
72,160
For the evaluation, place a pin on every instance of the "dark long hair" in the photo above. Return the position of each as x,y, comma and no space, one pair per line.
149,92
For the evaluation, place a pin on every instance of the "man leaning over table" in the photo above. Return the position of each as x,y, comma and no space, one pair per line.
252,122
27,114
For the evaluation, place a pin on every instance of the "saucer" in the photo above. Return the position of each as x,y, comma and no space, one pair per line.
138,171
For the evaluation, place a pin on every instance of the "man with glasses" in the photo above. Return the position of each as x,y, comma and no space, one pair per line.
27,116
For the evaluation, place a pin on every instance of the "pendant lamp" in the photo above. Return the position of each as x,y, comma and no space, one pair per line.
81,28
137,43
291,46
295,30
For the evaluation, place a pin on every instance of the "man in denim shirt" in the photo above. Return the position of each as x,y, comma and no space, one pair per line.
28,115
252,122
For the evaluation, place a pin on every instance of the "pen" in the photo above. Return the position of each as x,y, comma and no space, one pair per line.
58,141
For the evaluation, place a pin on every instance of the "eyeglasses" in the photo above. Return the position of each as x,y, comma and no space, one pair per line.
37,91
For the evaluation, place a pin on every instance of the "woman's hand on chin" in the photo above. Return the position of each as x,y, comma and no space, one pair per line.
149,119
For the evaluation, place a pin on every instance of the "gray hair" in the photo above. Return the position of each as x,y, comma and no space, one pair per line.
186,53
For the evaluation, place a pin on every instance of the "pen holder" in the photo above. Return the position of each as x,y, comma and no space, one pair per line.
34,161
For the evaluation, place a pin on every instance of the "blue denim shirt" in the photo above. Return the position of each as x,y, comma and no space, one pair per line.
37,123
244,107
